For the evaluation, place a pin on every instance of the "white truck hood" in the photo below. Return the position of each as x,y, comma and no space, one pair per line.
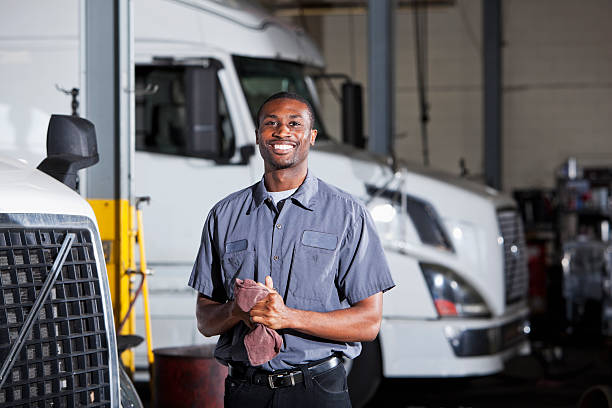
375,169
27,190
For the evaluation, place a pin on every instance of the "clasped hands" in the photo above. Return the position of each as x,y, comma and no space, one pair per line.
270,311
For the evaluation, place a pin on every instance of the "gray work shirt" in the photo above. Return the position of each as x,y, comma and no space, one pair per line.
321,250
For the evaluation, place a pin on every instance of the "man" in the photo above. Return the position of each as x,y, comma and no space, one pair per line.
316,249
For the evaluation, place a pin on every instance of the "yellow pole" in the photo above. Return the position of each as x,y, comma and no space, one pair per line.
145,288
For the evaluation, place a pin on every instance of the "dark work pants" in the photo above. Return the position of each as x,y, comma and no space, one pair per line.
326,390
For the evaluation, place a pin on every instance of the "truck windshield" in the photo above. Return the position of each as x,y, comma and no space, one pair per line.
261,78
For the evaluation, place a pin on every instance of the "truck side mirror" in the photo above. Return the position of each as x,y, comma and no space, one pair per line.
71,146
246,152
352,114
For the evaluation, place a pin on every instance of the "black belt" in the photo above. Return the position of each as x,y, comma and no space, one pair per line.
281,378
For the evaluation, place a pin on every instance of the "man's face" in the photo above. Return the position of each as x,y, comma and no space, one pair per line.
284,134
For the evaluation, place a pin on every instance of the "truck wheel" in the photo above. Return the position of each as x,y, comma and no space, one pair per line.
599,396
365,374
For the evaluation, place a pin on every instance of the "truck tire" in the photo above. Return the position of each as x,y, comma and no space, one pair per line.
365,374
599,396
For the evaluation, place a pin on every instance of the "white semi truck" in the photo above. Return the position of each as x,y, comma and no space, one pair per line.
57,337
202,68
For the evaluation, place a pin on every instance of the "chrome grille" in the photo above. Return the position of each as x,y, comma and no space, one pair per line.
65,359
515,256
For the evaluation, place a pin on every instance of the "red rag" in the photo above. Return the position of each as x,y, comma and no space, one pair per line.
262,343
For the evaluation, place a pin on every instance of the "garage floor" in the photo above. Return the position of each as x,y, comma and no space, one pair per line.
551,377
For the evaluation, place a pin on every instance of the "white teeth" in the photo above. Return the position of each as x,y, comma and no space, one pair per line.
283,147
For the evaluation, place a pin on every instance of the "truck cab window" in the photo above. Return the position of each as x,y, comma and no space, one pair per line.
181,110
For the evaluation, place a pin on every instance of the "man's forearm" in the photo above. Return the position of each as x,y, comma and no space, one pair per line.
340,325
216,318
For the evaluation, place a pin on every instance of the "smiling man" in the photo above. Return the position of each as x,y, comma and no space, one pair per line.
316,250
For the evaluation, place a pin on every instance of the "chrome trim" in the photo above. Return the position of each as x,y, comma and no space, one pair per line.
129,396
511,239
488,340
34,220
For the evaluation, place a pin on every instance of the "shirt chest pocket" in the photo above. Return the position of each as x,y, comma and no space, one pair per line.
238,262
313,271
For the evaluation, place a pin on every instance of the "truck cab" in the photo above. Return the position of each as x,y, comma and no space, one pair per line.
455,248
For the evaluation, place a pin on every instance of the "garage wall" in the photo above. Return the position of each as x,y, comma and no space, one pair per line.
557,77
558,86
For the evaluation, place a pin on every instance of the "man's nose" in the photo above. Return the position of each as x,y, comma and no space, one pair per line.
283,130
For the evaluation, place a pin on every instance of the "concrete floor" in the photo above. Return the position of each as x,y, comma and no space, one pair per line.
527,382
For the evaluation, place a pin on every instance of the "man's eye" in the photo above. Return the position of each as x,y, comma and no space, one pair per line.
295,124
270,123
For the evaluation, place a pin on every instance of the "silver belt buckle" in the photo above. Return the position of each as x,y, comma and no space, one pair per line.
272,376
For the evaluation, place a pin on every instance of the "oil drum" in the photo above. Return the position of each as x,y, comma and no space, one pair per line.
188,377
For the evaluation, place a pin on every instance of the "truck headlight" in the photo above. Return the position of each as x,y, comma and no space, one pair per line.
383,212
394,214
453,296
388,218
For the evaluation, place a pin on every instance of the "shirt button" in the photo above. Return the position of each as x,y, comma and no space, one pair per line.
276,257
279,226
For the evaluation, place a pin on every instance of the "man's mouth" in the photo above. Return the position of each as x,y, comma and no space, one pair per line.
282,147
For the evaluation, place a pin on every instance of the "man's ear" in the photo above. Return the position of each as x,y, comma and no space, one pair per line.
313,136
256,136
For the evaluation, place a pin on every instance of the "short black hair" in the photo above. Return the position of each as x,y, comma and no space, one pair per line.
288,95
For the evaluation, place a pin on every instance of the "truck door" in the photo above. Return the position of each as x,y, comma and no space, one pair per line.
186,160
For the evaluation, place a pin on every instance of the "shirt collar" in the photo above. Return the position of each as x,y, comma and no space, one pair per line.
306,193
304,196
260,194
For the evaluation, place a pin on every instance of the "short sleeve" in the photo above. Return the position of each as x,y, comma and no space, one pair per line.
206,275
363,269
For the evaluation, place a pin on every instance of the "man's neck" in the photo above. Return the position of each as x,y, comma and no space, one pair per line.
284,179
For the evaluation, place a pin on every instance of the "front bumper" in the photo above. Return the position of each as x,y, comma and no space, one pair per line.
452,347
488,340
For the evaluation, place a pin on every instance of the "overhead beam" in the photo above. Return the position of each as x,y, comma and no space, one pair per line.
381,76
321,8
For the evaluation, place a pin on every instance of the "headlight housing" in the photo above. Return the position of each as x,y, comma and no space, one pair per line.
452,296
390,222
393,211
